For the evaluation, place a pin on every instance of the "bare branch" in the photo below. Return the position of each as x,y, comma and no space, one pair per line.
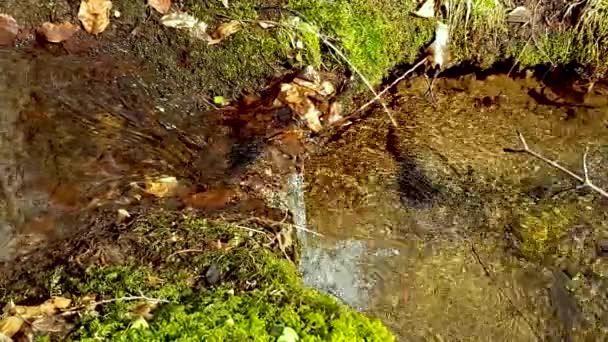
586,182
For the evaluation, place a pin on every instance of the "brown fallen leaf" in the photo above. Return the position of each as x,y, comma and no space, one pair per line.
9,326
57,33
8,30
95,15
161,6
224,30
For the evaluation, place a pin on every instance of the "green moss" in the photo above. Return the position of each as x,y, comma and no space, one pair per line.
259,295
375,35
540,228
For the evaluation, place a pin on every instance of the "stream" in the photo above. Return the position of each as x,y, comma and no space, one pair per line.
421,224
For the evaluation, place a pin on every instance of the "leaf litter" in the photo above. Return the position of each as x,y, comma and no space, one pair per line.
39,316
95,15
303,94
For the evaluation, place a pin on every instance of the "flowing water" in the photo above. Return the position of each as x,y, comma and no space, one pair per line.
419,223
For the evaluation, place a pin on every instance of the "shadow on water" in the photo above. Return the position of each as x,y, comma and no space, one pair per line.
415,189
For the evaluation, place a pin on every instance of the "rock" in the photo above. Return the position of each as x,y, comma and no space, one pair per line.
602,248
519,15
213,274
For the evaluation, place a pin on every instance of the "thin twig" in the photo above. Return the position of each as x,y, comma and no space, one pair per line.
285,224
306,230
583,179
112,300
363,78
377,97
191,250
251,229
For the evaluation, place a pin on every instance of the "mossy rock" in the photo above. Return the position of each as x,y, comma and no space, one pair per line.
232,288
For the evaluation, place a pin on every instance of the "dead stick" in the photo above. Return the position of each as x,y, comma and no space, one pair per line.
583,179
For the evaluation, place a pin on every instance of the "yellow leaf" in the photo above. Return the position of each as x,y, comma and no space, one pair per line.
161,6
9,326
95,15
49,307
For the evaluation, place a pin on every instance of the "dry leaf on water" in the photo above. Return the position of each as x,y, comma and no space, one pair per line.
57,33
224,30
8,29
161,187
9,326
95,15
161,6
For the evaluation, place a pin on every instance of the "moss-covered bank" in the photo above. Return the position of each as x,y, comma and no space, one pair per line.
221,283
374,35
